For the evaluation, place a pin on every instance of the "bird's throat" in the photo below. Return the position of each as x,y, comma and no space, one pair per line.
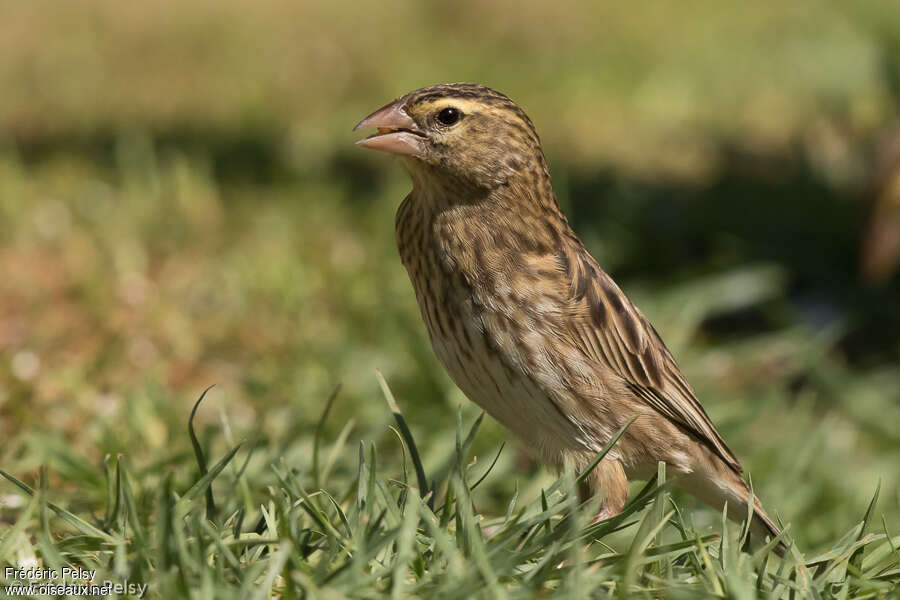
522,192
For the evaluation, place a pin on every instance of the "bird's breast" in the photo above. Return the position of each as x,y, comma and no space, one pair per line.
484,343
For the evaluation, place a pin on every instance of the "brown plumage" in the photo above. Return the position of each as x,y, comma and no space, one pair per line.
523,318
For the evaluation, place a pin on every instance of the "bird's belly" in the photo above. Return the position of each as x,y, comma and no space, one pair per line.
488,378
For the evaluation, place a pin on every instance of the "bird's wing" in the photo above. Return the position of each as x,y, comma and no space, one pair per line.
607,328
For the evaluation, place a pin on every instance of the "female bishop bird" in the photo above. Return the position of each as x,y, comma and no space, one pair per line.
523,318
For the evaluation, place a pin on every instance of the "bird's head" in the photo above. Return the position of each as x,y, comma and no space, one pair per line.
459,133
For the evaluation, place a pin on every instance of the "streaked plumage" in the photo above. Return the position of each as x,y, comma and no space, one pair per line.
523,318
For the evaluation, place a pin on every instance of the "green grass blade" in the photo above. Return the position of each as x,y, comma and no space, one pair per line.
14,534
73,520
406,433
317,436
609,445
857,558
128,501
183,506
198,454
490,467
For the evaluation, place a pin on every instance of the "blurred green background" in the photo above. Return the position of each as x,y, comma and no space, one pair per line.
181,204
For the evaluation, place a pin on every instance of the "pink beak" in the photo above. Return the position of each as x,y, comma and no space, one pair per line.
397,132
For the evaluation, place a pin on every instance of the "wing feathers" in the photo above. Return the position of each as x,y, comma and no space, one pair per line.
609,330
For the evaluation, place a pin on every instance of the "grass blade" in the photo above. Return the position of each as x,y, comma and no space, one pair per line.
609,445
317,436
183,504
73,520
407,436
198,454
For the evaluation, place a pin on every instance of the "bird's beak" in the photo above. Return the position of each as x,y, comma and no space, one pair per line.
397,132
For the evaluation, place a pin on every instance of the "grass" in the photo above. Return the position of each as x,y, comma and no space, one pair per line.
373,530
181,205
277,292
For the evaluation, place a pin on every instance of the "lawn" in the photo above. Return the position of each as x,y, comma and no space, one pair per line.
181,205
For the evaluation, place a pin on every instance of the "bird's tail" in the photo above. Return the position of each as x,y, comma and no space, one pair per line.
763,523
731,489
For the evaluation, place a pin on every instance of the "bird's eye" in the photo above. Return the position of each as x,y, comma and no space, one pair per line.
448,116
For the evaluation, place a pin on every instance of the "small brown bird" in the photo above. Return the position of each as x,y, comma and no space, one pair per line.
523,318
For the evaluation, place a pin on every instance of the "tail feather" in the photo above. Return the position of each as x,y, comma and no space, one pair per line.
763,523
730,488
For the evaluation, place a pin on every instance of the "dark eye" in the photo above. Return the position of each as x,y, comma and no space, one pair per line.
449,116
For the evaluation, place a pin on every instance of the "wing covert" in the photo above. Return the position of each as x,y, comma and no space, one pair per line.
606,327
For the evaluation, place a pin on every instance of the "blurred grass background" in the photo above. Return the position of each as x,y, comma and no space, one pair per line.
181,204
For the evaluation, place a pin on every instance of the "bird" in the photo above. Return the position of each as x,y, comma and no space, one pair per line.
526,322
